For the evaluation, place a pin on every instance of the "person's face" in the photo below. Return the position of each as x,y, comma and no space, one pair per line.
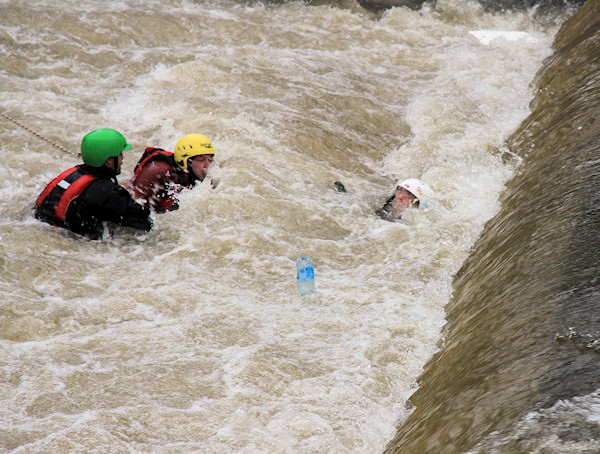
115,163
200,164
403,200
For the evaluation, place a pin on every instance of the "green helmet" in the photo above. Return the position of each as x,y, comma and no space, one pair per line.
101,144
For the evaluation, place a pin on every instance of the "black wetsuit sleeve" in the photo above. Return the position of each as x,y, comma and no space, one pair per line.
102,201
385,211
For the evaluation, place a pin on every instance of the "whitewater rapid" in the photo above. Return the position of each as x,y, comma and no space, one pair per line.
192,337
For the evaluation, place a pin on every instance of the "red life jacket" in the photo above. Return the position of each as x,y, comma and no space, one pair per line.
167,197
53,202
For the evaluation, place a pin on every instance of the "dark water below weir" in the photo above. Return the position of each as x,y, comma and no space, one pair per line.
523,326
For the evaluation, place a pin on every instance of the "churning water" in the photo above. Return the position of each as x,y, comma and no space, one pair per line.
192,338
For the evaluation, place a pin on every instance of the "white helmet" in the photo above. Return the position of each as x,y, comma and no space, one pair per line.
417,188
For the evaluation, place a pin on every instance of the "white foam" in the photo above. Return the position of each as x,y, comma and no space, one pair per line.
486,37
192,336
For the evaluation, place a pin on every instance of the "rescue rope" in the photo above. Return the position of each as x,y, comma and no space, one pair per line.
36,134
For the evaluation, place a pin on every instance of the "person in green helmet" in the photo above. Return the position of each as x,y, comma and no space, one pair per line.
86,197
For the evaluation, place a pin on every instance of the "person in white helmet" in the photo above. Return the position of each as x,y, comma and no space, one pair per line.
410,193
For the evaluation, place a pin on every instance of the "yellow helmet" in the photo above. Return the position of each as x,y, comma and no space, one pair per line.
190,146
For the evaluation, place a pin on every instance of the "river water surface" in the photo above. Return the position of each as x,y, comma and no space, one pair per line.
191,338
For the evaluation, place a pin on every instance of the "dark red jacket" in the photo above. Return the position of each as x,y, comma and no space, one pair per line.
158,180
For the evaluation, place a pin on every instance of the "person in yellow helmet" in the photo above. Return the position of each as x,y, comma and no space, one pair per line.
161,175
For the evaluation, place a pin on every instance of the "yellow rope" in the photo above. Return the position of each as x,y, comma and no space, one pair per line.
36,134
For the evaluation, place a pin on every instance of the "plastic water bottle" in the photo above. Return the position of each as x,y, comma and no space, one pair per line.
306,275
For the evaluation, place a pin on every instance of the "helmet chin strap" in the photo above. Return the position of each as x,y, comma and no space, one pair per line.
191,173
113,167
